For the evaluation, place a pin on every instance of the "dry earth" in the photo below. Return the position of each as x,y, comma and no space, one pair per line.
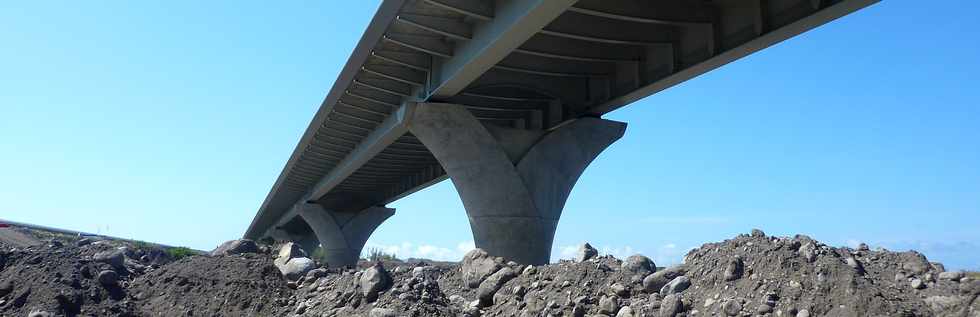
750,275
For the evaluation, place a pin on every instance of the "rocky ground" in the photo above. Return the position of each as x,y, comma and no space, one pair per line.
749,275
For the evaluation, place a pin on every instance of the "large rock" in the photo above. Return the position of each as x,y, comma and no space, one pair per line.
586,252
6,287
288,251
639,264
677,285
236,247
108,278
477,265
116,258
952,276
734,269
671,305
296,268
653,282
492,284
374,280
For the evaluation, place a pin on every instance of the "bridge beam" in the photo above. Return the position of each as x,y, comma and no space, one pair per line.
513,192
341,235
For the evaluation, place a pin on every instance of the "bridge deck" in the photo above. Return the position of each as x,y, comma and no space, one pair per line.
529,64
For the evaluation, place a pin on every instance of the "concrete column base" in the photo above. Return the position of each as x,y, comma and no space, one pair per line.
513,190
342,235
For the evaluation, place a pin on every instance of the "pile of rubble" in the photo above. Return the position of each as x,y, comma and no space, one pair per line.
749,275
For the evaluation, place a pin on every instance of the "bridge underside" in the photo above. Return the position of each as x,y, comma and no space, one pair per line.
503,97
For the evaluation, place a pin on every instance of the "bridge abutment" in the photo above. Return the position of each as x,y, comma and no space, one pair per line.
513,183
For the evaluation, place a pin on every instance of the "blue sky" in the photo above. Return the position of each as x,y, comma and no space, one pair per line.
168,121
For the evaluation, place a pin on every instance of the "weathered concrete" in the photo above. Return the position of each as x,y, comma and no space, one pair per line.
513,192
341,235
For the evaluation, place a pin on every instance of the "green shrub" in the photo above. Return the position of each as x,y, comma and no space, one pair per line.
178,253
375,254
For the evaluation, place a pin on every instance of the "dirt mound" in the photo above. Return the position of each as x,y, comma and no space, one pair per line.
749,275
241,285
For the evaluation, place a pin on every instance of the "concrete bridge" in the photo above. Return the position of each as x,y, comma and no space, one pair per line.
505,98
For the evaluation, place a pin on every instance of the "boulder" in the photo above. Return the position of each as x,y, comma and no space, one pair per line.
671,305
734,269
6,287
626,311
639,264
608,305
288,251
654,282
586,252
477,265
116,258
373,281
952,276
296,268
492,284
382,312
677,285
236,247
108,278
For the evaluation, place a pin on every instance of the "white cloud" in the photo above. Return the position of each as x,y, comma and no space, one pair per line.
407,250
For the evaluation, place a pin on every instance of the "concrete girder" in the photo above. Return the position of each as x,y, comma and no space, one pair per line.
512,183
514,22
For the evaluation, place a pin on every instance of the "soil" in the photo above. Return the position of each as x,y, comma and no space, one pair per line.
749,275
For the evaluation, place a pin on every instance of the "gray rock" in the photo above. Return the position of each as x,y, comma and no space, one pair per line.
938,267
608,305
83,242
108,278
952,276
731,307
863,247
854,264
639,264
382,312
288,251
492,284
671,305
917,284
915,263
235,247
296,268
758,233
734,269
6,287
626,311
654,282
619,289
808,251
116,258
477,265
803,313
677,285
586,252
40,313
763,309
373,281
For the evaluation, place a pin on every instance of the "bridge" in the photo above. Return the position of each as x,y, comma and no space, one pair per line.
505,98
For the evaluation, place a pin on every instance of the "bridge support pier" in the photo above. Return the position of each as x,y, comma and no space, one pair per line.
513,192
341,235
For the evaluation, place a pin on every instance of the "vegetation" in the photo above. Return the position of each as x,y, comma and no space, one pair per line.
178,253
375,254
973,275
